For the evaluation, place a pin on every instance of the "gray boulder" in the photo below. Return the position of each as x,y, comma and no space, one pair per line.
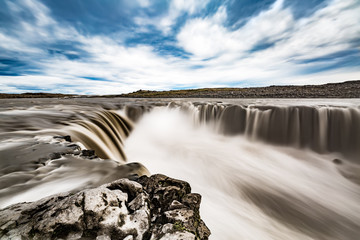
156,207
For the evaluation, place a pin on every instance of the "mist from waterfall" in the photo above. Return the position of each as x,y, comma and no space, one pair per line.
253,189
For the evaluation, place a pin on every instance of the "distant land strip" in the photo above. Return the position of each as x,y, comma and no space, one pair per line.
348,89
36,95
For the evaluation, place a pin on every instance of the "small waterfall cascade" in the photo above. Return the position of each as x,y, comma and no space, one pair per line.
320,128
36,162
135,112
104,132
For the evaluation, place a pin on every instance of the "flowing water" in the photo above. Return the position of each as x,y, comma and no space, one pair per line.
266,169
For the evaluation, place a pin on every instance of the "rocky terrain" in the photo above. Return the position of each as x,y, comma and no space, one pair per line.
350,89
155,207
36,95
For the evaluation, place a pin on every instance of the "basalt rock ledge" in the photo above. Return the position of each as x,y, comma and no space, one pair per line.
155,207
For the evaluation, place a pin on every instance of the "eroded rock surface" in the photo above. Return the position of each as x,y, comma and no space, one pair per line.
156,207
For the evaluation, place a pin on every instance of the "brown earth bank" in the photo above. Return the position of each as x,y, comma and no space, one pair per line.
348,89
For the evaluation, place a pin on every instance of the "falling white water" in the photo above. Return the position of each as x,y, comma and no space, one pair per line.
265,168
250,189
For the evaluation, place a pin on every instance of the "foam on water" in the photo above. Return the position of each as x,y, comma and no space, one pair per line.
265,168
250,189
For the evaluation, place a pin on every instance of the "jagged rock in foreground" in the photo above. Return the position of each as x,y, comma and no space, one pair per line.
156,207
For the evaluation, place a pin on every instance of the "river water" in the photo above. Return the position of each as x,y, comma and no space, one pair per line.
266,168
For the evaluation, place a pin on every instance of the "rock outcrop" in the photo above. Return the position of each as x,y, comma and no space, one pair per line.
156,207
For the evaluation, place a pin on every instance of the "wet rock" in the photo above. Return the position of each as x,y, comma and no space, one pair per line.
66,138
158,180
74,146
203,230
88,153
130,187
192,200
171,217
155,207
138,202
67,149
55,155
176,205
337,161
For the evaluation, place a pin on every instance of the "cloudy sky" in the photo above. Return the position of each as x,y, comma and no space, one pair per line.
119,46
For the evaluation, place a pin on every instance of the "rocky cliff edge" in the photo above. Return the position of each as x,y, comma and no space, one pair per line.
155,207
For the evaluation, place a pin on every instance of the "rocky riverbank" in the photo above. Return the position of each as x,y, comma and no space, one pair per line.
350,89
155,207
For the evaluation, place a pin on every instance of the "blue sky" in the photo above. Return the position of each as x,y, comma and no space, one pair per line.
119,46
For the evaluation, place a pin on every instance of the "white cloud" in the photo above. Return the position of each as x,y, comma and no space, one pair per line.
189,6
144,3
208,37
39,11
176,8
14,44
229,60
28,34
329,30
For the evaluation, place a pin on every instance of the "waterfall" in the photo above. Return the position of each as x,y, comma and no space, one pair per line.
96,128
104,132
264,172
320,128
266,169
34,164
